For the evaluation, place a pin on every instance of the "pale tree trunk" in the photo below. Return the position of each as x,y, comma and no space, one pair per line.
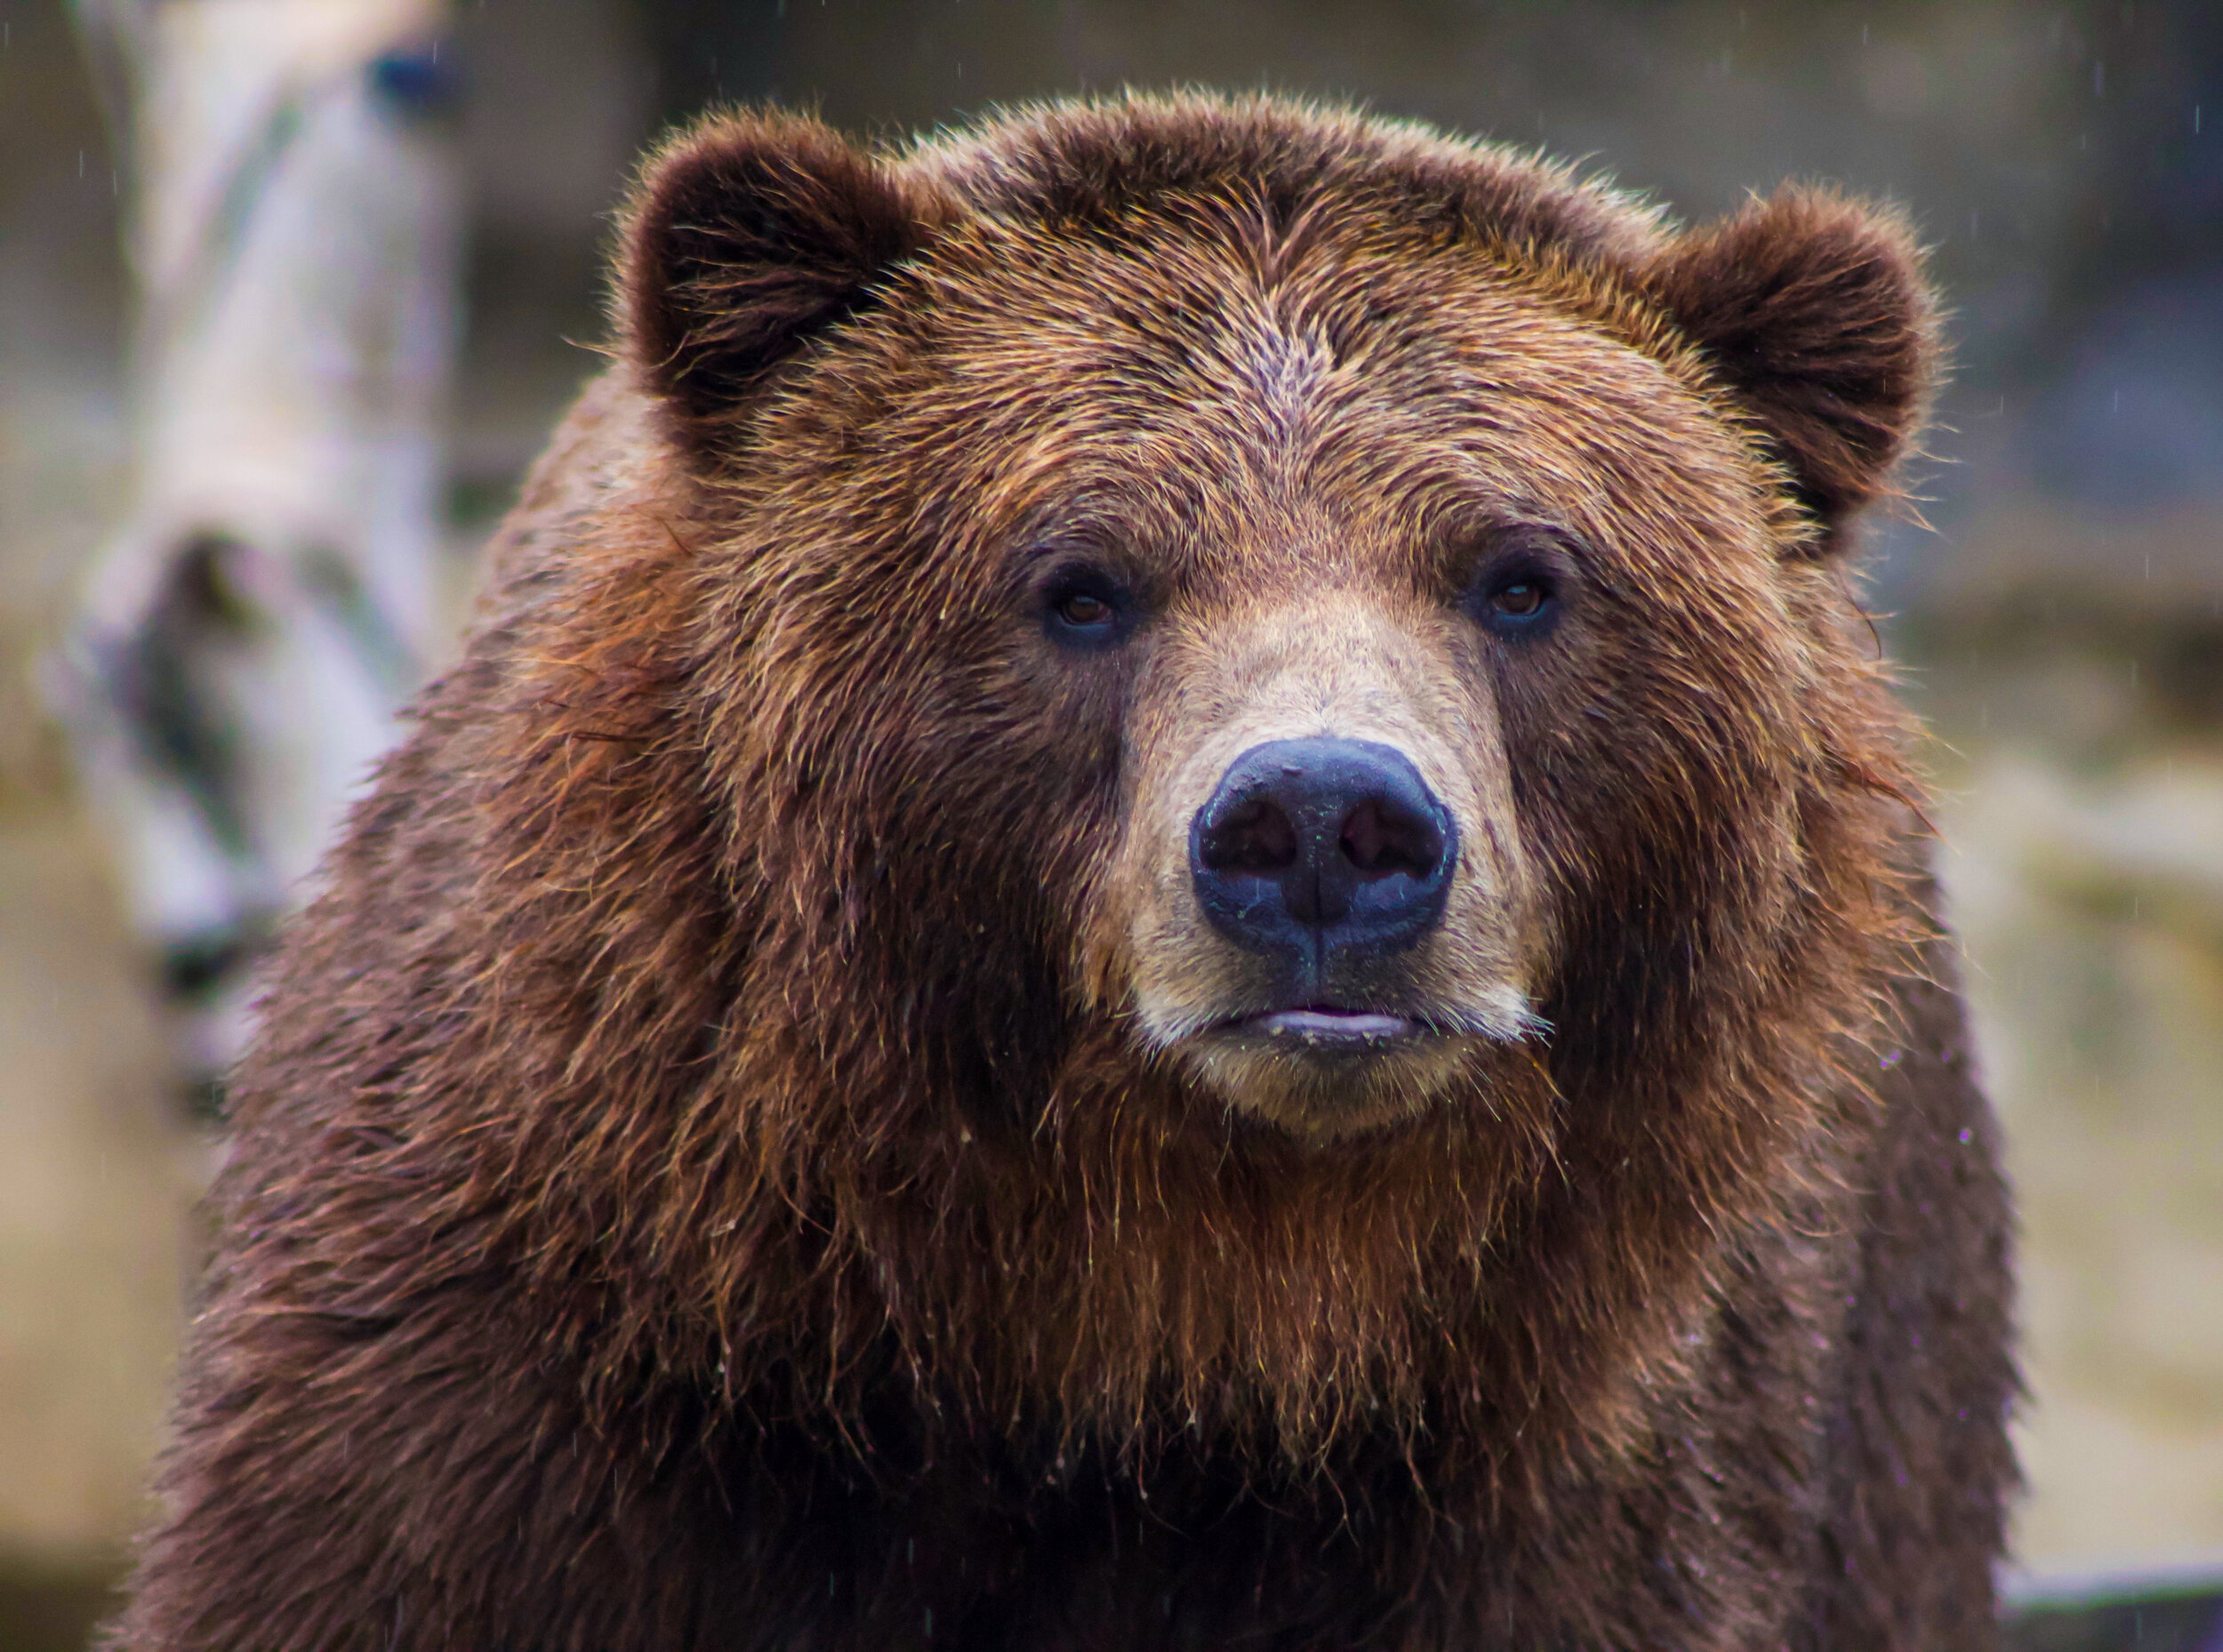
270,596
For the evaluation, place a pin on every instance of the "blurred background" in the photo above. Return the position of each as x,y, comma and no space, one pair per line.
292,289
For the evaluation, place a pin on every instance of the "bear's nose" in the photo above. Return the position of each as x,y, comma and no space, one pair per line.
1323,850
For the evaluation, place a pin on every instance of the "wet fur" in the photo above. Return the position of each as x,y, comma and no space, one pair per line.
710,1176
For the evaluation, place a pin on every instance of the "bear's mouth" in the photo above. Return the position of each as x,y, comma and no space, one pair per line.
1327,1070
1329,1028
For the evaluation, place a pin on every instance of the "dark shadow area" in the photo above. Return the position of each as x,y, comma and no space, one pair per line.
53,1608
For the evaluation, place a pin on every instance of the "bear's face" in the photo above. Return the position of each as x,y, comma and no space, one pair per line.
1318,651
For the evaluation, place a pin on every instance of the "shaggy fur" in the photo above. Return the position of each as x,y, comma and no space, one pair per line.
742,1153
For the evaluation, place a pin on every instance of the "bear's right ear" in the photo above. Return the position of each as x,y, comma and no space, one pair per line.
746,235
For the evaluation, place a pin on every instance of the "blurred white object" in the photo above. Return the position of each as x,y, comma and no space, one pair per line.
268,600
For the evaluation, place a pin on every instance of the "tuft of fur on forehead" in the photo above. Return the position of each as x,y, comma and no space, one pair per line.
1086,163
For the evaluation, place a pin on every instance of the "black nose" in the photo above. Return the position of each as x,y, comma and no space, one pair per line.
1323,850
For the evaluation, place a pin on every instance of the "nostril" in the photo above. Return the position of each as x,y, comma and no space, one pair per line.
1255,835
1380,840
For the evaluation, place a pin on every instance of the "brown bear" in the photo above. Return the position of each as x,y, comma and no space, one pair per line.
1171,901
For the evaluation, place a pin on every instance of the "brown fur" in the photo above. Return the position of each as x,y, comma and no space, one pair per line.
738,1155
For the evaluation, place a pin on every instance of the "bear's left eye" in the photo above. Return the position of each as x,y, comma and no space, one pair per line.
1083,608
1087,608
1520,600
1518,590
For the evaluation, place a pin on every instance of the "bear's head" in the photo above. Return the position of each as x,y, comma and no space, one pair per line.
1290,743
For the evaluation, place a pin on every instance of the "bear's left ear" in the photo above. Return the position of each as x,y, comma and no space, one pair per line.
747,236
1815,313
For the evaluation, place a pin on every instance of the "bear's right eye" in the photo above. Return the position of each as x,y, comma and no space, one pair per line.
1520,600
1083,608
1087,608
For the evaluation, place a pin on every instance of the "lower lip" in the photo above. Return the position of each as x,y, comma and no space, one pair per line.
1328,1029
